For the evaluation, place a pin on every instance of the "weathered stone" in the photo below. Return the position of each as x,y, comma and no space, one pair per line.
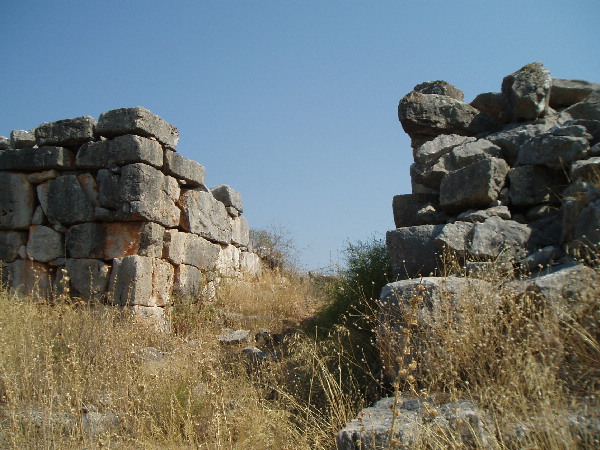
189,282
228,196
568,92
228,263
5,143
494,104
45,244
572,129
152,317
250,264
240,235
482,215
467,153
431,215
431,176
88,278
121,150
586,237
527,92
541,259
592,129
232,211
180,167
532,185
205,216
586,170
474,186
538,212
576,197
40,177
552,151
28,278
66,133
64,200
412,250
138,121
190,249
440,88
22,138
405,208
163,277
10,242
17,201
431,151
586,109
33,159
497,239
513,136
455,238
230,336
140,191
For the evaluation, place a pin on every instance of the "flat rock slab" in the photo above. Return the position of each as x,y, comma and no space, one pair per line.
228,196
182,168
121,150
66,133
234,336
34,159
205,216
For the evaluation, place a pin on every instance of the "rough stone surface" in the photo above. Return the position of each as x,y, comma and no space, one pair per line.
45,244
228,196
121,150
494,104
528,92
138,121
470,152
88,278
16,201
413,250
532,185
79,208
205,216
10,242
405,208
455,238
5,143
440,87
240,232
499,239
250,264
512,137
230,336
28,278
484,214
180,167
40,177
553,151
22,138
587,170
568,92
431,151
190,249
474,186
588,109
228,262
33,159
189,282
66,133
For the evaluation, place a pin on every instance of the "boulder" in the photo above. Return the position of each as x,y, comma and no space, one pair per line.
66,133
228,196
497,239
470,152
493,104
182,168
88,278
440,87
17,202
138,121
45,244
205,216
474,186
10,242
34,159
513,136
431,151
22,138
190,249
552,150
121,150
527,92
532,185
455,238
406,207
568,92
588,109
413,251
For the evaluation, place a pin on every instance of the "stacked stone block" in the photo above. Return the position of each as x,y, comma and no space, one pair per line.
111,210
511,176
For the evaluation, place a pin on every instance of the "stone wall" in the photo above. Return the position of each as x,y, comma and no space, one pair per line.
513,175
110,211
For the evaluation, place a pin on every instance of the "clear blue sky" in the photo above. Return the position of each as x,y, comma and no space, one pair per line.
292,103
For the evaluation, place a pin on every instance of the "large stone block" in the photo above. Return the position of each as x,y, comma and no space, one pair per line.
66,133
413,251
205,216
532,185
140,280
250,264
189,282
228,263
28,278
470,152
64,199
431,151
17,201
88,278
190,249
406,209
182,168
455,238
10,242
474,186
45,244
494,104
528,92
497,239
431,175
114,240
568,92
138,121
140,192
240,236
553,150
228,196
121,150
33,159
511,138
588,109
22,138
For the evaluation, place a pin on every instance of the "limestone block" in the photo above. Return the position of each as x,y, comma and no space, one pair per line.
120,151
499,239
440,87
587,230
189,282
494,104
553,151
240,232
568,92
180,167
22,138
139,280
513,136
587,170
17,201
10,242
64,200
88,278
586,109
190,249
532,185
138,121
431,176
45,244
455,238
469,152
114,240
28,278
405,208
34,159
228,263
250,264
413,251
5,143
140,191
205,216
527,92
40,177
430,151
228,196
474,186
66,133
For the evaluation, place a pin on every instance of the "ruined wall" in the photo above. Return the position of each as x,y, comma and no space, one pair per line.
513,176
112,212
